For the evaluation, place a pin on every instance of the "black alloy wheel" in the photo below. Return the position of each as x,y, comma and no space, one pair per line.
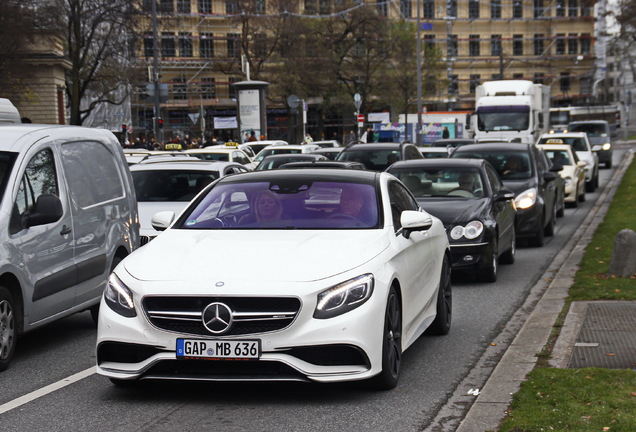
391,344
442,323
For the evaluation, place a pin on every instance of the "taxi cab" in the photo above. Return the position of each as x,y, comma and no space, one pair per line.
573,172
228,152
580,143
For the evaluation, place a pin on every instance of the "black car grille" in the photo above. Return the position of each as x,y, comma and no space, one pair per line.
251,315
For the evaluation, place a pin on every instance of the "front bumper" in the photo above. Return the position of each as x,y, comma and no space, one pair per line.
343,348
468,256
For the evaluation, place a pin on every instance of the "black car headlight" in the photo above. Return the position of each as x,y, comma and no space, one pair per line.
119,297
471,231
344,297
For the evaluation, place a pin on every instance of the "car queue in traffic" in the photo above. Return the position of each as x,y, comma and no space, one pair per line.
367,255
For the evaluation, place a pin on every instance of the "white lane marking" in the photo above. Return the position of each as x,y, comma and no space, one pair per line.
46,390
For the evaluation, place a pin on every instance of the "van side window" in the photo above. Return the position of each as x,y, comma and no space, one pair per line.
40,178
92,171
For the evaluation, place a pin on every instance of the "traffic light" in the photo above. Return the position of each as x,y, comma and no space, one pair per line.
160,123
124,128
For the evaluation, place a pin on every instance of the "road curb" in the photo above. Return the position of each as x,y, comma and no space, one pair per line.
545,302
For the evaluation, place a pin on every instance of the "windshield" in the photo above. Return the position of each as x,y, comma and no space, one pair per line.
451,182
592,129
577,144
170,185
503,118
286,204
6,165
377,160
268,152
559,118
558,157
273,163
509,164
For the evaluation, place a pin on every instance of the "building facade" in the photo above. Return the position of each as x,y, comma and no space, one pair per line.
198,44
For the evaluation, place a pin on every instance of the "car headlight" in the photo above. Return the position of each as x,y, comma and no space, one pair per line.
119,297
607,146
471,231
344,297
526,199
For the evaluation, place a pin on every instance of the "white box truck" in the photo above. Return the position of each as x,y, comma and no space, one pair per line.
511,110
8,112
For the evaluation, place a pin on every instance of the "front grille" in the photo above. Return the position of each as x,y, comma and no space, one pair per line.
226,370
251,315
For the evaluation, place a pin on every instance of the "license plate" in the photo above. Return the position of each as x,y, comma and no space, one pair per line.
218,349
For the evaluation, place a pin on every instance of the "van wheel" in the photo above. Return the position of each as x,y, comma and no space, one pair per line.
8,333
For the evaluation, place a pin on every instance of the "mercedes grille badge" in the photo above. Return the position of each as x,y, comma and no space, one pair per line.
217,318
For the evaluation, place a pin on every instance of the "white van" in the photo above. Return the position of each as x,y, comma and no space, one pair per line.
8,113
68,216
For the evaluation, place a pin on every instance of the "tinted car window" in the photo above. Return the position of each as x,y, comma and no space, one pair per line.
592,129
400,200
509,164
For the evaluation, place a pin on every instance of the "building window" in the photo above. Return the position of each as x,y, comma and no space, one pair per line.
166,6
406,8
495,9
451,46
146,5
517,76
231,88
453,86
452,8
573,43
473,45
517,9
560,8
148,45
559,44
233,47
538,44
517,45
206,46
475,80
539,78
183,6
325,7
473,9
586,8
180,88
429,42
496,77
185,44
310,7
231,7
539,9
565,84
495,45
260,45
208,89
168,48
259,6
585,85
586,43
205,6
573,8
382,7
429,9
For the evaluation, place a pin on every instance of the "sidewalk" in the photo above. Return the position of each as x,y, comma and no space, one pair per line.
594,333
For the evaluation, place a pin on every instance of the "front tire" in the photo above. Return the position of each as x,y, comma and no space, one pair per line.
489,273
442,323
8,326
508,257
391,344
549,229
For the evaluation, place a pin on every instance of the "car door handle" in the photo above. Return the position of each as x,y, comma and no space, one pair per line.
65,230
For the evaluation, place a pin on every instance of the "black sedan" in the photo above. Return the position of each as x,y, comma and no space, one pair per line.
475,207
379,156
275,161
526,170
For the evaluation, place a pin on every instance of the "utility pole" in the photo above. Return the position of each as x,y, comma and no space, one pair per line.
155,76
418,128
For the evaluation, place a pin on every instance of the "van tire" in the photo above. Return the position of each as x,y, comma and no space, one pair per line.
8,327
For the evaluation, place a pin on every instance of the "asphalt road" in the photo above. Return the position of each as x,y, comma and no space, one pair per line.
432,370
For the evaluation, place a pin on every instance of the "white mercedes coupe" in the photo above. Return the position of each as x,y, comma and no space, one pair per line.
311,274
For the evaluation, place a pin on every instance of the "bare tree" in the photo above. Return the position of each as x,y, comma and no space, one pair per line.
97,33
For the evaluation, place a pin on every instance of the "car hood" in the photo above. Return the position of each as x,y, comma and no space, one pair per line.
270,255
518,186
455,211
148,209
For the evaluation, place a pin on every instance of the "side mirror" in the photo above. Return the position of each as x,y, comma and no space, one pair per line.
504,195
47,209
412,220
162,220
549,176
